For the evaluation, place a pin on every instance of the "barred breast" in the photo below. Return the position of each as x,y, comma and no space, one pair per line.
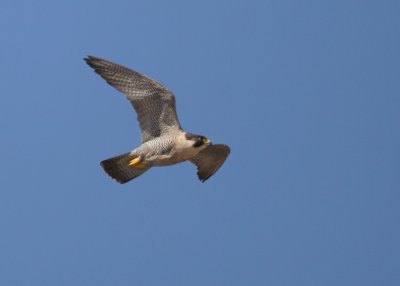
167,150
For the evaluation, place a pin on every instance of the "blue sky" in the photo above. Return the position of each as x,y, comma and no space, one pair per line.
306,93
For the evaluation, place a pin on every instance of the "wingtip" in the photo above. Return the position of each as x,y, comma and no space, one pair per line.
202,179
204,173
92,61
87,58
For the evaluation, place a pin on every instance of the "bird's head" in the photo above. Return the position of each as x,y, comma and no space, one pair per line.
198,140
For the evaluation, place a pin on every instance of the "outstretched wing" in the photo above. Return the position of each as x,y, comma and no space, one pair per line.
210,160
154,104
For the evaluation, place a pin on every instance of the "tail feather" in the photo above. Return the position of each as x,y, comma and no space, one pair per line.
118,168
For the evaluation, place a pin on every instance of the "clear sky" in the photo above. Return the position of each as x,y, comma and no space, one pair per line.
306,93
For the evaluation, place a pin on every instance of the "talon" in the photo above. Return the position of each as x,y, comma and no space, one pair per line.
136,163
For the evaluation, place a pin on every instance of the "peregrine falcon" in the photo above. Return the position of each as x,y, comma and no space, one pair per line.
164,142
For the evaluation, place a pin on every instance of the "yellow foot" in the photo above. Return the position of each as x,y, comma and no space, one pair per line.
137,164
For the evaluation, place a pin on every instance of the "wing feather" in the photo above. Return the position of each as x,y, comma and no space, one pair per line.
154,104
210,160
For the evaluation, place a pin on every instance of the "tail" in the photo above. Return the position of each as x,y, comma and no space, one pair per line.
118,168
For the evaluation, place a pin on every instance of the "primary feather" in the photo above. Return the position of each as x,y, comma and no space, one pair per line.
154,104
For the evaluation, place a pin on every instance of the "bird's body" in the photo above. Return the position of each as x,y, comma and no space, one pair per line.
164,142
167,150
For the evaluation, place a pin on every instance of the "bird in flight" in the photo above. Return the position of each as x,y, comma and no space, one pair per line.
164,142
